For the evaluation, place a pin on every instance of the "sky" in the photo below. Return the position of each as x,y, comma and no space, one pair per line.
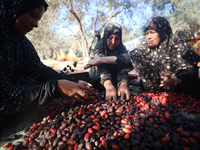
145,13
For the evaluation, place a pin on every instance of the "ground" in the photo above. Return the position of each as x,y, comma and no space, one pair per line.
58,66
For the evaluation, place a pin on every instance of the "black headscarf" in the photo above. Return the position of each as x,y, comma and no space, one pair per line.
101,46
28,5
170,56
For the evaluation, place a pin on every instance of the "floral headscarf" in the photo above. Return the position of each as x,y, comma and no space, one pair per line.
170,56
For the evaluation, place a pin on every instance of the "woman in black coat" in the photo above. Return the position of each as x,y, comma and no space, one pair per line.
24,79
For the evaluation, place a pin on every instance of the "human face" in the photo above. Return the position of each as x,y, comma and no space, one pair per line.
113,41
29,20
152,37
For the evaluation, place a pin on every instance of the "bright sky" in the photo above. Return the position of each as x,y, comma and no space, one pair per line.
145,14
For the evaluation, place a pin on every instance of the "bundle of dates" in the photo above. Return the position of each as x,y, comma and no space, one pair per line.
145,122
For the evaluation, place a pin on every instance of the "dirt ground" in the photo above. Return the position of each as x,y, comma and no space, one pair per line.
58,66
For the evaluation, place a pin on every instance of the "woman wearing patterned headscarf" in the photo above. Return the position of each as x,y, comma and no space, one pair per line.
110,76
162,60
24,79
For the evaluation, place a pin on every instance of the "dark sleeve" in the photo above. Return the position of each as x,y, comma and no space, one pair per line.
124,61
48,73
121,68
40,94
46,91
188,77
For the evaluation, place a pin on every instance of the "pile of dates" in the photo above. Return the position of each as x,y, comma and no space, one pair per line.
68,69
147,121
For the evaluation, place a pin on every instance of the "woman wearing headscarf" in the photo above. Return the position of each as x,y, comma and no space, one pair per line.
164,62
110,76
24,80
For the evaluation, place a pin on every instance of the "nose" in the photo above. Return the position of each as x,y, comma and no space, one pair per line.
35,23
148,36
113,41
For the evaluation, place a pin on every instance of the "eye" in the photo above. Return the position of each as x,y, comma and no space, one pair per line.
150,32
110,38
117,39
34,16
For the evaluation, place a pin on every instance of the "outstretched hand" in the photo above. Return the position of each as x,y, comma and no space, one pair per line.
84,83
94,61
168,81
74,90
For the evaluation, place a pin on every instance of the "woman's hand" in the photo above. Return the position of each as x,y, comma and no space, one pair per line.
168,81
84,83
74,90
123,91
111,92
96,60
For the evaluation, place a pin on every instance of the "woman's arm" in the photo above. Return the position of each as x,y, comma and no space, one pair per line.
96,60
122,59
185,78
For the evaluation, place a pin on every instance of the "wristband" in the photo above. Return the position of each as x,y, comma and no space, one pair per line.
175,80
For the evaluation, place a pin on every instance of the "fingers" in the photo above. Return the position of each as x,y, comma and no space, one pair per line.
161,83
87,84
128,95
165,84
166,80
168,75
114,97
124,94
110,97
163,73
87,66
121,95
77,96
86,88
82,94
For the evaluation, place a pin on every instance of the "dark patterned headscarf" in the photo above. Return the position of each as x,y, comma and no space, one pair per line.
170,56
20,64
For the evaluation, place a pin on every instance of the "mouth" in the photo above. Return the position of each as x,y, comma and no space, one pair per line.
149,42
29,29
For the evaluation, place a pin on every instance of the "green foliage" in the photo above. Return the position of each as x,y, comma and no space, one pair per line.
183,15
185,22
